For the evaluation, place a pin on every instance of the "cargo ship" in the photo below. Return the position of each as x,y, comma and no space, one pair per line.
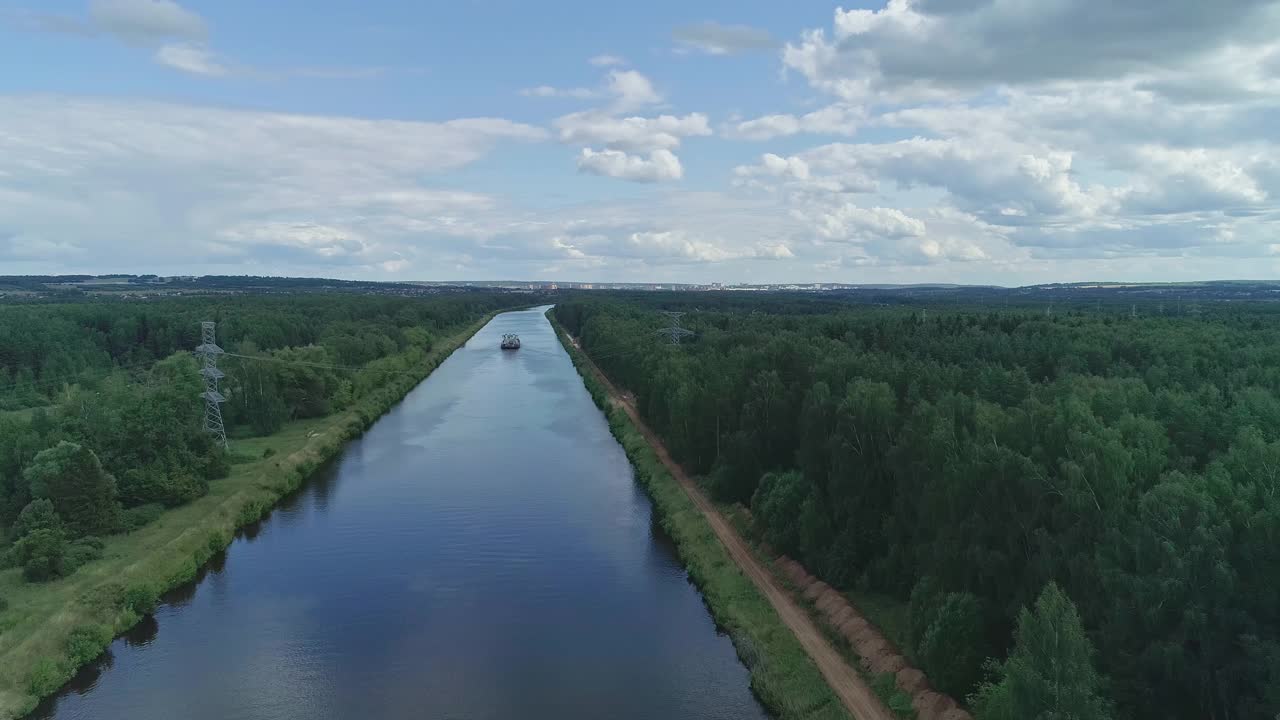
510,341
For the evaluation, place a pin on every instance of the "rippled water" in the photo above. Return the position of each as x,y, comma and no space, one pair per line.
481,552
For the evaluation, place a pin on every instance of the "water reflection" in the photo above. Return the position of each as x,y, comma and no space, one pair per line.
143,633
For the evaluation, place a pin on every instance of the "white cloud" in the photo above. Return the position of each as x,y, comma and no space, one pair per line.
178,35
154,183
325,241
631,90
189,58
848,220
659,165
775,166
631,134
715,39
547,91
146,22
1196,179
831,120
992,139
936,48
635,147
171,188
677,244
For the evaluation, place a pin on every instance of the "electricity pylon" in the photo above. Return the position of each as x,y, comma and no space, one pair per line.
674,332
209,351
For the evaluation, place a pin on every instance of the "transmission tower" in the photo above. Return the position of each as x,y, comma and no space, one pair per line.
209,351
673,331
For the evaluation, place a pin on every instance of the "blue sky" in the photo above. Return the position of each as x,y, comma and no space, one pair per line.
907,141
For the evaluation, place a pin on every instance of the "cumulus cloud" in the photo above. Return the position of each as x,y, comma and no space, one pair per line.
88,184
960,139
627,240
775,166
659,165
630,134
635,147
716,39
848,220
831,120
631,90
1011,132
922,48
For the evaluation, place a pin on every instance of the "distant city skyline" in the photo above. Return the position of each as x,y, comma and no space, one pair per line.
879,142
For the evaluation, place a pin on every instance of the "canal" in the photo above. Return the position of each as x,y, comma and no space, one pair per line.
481,552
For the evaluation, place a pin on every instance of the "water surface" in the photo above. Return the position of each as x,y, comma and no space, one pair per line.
481,552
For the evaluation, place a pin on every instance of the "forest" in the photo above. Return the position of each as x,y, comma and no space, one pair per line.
1079,505
101,424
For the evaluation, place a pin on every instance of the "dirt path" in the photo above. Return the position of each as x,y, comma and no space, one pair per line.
858,699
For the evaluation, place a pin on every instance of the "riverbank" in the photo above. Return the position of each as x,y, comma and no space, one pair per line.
49,630
777,651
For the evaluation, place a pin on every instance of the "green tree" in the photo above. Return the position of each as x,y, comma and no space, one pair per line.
41,547
70,476
777,504
951,648
1050,673
37,515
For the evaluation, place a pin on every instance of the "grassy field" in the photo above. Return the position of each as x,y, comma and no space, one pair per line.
48,630
782,675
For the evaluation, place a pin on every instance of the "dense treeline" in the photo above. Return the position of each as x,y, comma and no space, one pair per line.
112,431
1097,480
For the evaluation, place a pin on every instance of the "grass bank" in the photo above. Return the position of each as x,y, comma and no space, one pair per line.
782,675
48,630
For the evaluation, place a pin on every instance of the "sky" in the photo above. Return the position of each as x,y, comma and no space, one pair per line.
1001,142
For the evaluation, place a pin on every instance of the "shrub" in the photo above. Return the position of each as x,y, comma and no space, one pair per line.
925,598
137,517
142,486
142,598
185,487
46,676
41,553
83,493
87,642
218,466
38,514
747,651
80,552
885,686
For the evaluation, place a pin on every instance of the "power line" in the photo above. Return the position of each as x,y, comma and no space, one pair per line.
306,363
80,377
95,373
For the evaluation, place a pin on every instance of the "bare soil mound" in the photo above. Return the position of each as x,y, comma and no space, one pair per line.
877,655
